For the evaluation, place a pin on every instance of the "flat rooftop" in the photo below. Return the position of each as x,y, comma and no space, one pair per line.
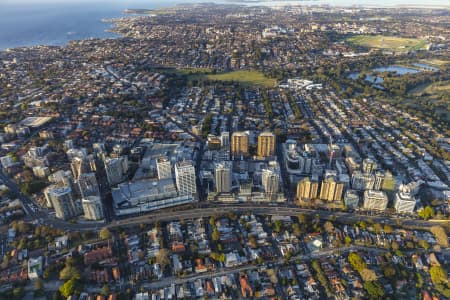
143,191
35,122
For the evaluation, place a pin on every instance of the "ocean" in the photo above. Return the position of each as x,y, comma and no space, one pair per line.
55,22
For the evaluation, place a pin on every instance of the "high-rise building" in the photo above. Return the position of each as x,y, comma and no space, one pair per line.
266,144
307,189
62,202
185,178
239,144
79,165
93,208
369,165
388,182
225,139
351,199
331,190
362,181
164,168
379,178
92,163
270,179
88,185
223,177
375,200
351,164
404,202
116,169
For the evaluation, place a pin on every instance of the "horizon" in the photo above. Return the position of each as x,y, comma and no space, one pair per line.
371,3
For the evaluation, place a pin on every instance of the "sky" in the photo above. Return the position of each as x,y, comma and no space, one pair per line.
143,3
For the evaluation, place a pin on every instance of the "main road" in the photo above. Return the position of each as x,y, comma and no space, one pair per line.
265,209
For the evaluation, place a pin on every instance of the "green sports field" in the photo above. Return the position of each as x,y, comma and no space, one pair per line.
247,78
388,42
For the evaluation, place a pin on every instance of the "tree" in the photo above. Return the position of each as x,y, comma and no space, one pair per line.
328,226
57,295
162,258
215,234
427,213
69,272
253,242
356,261
394,245
68,288
18,292
441,235
104,234
387,228
368,275
377,228
419,280
389,271
278,226
347,240
302,218
296,229
5,262
374,289
217,257
105,290
438,275
38,284
424,244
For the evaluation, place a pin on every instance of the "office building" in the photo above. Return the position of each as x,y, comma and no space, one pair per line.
351,164
369,165
223,177
213,142
239,144
87,183
388,182
270,179
146,195
116,169
379,178
163,167
62,202
225,139
404,202
266,145
92,208
79,165
362,181
351,199
375,200
41,171
185,178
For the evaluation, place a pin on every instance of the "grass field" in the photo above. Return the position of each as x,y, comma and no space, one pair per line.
435,62
246,78
439,87
432,89
387,42
184,71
